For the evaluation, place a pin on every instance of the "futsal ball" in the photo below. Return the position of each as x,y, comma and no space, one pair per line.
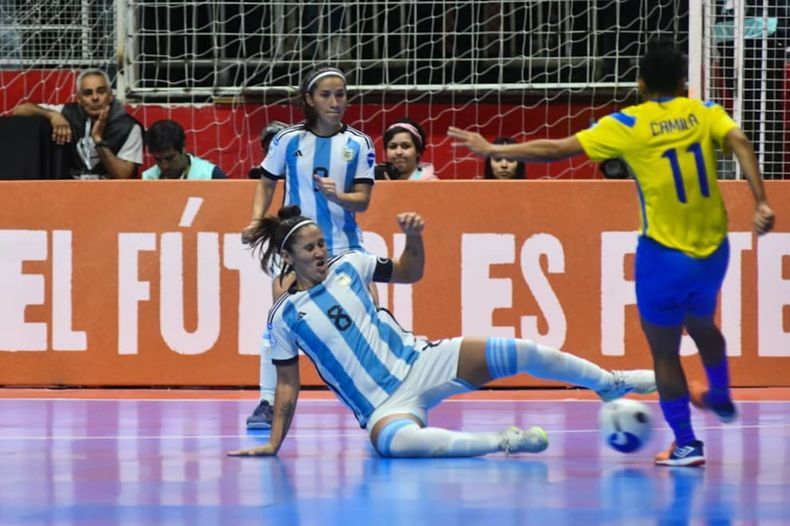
625,424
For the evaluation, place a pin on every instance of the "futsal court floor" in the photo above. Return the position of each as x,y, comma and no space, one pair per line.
151,457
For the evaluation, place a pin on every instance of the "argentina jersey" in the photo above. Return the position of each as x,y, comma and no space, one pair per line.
361,352
347,157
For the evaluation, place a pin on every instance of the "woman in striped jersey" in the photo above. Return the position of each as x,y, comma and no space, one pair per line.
388,377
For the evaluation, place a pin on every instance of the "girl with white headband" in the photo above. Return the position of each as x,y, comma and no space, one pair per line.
404,144
327,167
386,376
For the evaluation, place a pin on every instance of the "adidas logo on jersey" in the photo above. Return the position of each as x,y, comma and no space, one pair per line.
298,153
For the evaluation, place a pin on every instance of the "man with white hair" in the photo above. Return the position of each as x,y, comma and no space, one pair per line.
106,142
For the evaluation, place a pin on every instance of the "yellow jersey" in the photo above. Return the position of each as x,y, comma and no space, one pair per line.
670,145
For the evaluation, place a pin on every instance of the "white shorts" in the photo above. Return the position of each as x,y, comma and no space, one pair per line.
433,377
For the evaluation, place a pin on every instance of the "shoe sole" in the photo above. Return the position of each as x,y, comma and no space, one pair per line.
690,462
259,426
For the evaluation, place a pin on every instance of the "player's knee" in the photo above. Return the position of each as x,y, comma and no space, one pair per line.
386,444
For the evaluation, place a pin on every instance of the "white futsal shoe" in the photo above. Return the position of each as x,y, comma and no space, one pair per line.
515,440
639,381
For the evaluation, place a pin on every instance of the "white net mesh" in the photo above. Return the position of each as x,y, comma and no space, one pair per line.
224,69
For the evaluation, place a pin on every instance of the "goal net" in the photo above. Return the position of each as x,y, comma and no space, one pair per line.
224,69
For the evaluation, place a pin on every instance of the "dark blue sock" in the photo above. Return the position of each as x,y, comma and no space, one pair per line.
719,381
678,415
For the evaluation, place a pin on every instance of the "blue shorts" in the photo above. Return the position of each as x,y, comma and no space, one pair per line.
671,284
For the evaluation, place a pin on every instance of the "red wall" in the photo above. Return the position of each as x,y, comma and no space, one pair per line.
227,134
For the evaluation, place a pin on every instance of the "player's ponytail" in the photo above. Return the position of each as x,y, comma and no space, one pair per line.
273,234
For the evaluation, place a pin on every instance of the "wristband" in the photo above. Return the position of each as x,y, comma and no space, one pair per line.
102,144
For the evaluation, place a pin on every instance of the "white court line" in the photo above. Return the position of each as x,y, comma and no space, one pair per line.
324,435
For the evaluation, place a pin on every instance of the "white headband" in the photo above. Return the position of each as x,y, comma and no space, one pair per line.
327,73
294,228
408,127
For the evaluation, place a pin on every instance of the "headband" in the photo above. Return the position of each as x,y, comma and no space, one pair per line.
294,228
327,73
409,128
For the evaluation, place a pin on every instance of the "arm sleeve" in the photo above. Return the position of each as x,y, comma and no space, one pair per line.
370,267
284,347
608,138
367,160
217,173
721,125
274,162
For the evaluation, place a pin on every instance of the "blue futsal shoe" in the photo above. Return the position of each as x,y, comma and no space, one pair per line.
261,418
686,456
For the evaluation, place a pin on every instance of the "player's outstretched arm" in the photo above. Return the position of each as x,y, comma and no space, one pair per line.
408,268
285,397
537,150
737,141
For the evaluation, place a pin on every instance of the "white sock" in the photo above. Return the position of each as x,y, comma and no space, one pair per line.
268,372
405,439
508,356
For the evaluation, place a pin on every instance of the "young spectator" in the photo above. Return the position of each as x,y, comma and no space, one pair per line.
501,167
165,141
106,141
404,144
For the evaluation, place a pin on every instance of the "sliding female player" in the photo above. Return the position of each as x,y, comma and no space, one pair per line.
388,377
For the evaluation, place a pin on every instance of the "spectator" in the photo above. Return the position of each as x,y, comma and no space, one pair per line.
165,141
106,141
404,144
267,134
501,167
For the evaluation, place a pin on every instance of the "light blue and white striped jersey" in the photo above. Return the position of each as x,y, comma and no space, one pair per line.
348,157
360,351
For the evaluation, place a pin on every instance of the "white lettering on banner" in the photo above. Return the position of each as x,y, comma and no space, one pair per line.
481,294
401,304
255,292
401,293
531,252
18,290
616,291
731,293
376,244
64,338
773,293
171,299
131,290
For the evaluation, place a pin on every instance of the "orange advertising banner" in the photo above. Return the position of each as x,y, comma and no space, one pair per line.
131,283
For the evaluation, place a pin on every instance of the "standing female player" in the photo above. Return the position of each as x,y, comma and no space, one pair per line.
327,167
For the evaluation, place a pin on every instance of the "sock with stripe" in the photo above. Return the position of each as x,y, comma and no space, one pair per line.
509,356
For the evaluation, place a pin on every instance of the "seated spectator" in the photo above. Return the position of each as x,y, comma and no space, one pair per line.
106,142
165,140
404,144
267,134
502,167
